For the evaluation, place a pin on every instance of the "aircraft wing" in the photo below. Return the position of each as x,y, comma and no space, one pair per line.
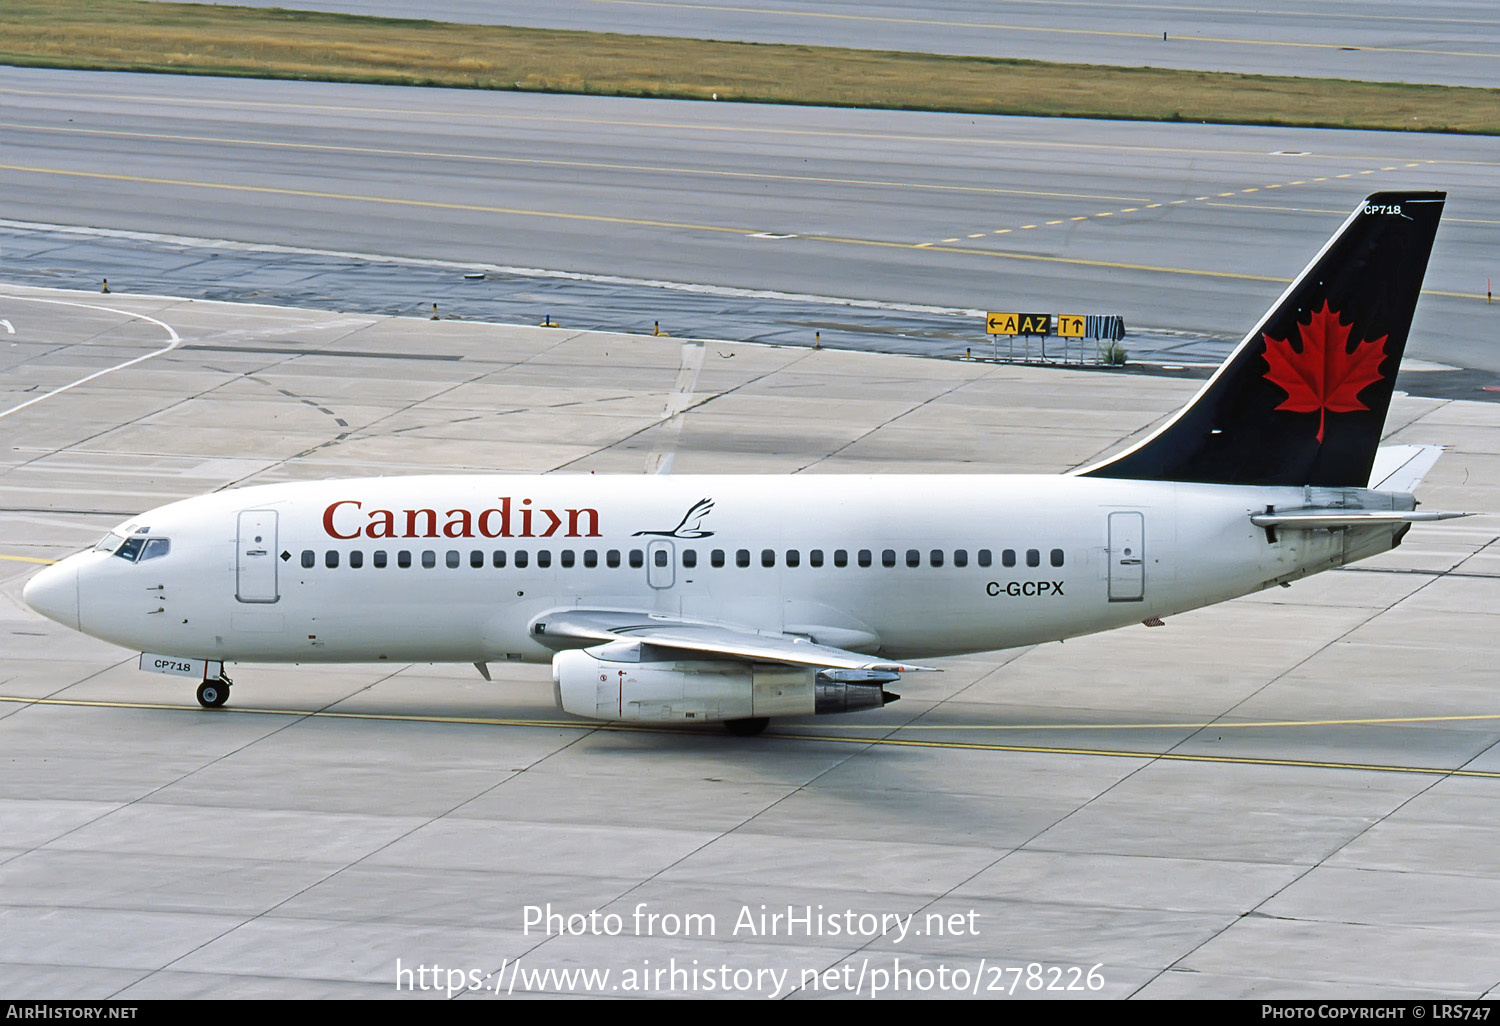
569,626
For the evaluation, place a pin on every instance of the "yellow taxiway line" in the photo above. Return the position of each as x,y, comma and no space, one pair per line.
854,738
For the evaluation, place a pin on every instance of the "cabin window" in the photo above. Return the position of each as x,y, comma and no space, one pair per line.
960,557
984,557
497,559
309,557
331,559
565,557
659,557
767,557
913,557
378,559
840,557
544,558
689,558
612,558
357,558
888,558
429,559
815,557
637,559
590,558
1033,557
793,557
1057,557
716,557
521,559
936,557
864,557
476,558
452,559
403,558
1008,557
741,557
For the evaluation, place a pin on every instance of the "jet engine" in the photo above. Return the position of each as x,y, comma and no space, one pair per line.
627,681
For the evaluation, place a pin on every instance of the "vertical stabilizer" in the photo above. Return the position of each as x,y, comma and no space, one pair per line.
1302,400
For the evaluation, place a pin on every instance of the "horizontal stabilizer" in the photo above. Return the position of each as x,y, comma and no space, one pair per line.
1400,468
1313,519
565,628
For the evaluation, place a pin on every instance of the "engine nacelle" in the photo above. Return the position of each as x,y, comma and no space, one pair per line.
624,681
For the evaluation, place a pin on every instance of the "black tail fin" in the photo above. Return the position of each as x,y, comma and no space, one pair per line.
1302,400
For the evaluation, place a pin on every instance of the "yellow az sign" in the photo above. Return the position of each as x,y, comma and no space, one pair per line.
1018,324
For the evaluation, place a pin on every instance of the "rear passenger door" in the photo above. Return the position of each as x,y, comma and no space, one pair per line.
1127,557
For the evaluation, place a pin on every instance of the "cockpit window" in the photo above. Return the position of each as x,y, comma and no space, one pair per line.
109,543
138,547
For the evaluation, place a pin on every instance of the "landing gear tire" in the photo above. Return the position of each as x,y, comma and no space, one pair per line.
747,728
213,693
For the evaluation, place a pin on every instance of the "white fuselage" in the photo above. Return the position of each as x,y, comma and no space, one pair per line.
903,566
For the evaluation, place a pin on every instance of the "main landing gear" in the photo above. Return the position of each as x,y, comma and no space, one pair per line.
214,692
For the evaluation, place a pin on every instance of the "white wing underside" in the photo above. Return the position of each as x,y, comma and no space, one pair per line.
565,628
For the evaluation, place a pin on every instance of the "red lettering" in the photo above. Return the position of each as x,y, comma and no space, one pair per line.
460,524
328,519
494,522
411,523
382,524
504,511
573,518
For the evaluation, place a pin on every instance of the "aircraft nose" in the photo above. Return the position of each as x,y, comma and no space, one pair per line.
54,593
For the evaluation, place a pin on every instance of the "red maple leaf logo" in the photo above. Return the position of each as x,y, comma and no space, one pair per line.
1325,376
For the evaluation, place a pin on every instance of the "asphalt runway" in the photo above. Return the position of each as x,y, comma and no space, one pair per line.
1189,228
1449,43
1291,796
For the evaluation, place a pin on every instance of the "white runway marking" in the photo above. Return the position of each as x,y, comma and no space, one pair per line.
176,341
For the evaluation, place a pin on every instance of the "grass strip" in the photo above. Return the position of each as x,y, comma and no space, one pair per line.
196,39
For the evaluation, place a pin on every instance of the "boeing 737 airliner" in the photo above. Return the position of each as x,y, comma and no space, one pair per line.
736,599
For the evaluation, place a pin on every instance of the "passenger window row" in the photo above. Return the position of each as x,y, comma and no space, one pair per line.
636,558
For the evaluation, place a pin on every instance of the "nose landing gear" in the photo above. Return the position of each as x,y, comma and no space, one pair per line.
214,692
